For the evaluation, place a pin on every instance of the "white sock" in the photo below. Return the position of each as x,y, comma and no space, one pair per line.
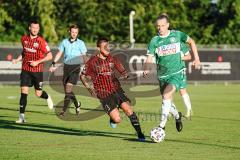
166,105
22,116
174,111
187,102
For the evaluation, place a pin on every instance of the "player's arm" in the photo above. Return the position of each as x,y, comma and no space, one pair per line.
48,57
85,80
19,58
120,68
146,65
56,59
85,58
193,47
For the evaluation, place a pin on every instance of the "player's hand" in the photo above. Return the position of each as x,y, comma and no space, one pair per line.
145,74
15,61
52,69
197,64
33,63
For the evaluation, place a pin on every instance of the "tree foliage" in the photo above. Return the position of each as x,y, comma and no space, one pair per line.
206,22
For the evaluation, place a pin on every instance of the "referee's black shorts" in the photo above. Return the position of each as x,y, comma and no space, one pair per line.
71,73
114,100
30,79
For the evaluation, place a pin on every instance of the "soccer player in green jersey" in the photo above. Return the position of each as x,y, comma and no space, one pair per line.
166,48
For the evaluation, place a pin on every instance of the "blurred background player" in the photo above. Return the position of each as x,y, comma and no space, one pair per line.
100,70
35,52
74,51
166,48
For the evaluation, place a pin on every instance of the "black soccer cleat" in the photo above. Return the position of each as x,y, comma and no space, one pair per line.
77,109
62,113
141,137
179,124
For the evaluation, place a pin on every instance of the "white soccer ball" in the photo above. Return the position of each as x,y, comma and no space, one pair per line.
157,134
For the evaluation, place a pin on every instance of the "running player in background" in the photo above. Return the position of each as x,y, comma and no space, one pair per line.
101,71
166,48
74,51
35,52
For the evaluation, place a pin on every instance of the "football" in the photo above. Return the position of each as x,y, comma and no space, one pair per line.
157,134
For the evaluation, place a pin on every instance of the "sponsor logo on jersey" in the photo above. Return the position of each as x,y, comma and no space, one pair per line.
35,45
168,49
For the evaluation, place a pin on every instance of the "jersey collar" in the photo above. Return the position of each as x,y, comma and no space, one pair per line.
166,35
69,39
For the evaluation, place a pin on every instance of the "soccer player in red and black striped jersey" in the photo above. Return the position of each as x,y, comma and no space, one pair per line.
101,69
35,52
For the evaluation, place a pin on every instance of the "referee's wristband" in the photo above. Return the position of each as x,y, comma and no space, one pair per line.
53,63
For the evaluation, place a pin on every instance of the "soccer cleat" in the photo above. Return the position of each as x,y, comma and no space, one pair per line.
77,109
179,125
50,102
189,114
141,137
112,124
62,113
21,119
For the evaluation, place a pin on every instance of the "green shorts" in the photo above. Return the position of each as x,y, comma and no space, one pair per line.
178,80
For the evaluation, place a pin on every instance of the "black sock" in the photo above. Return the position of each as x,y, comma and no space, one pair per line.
135,122
23,102
44,95
67,100
73,98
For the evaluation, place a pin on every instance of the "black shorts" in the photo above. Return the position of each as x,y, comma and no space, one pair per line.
71,73
114,100
31,79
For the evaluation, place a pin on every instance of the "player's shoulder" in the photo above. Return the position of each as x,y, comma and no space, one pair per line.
80,41
92,59
40,38
24,37
154,39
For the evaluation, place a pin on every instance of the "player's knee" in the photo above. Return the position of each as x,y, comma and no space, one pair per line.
117,119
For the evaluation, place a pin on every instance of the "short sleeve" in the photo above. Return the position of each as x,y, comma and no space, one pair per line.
119,66
61,47
83,48
183,36
151,47
44,47
184,48
88,69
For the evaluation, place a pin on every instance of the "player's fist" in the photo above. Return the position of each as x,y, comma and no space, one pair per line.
197,64
145,74
33,63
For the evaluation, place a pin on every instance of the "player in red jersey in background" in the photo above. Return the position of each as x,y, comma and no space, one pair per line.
35,52
101,71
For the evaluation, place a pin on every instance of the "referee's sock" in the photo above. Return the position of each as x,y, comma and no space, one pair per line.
23,103
67,100
44,95
74,99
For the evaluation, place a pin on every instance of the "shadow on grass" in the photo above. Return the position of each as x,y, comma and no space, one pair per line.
5,124
17,111
204,144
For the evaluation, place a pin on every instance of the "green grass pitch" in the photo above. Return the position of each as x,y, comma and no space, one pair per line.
212,134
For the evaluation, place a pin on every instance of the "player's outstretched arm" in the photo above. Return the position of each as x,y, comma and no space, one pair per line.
193,46
15,61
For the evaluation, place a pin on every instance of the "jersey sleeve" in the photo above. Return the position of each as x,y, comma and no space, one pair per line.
151,48
183,36
184,49
44,47
119,67
61,47
83,48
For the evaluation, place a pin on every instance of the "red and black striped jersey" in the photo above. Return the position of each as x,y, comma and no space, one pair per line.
33,49
103,73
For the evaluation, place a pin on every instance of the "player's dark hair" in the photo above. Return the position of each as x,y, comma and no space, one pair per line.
33,21
73,26
101,40
163,16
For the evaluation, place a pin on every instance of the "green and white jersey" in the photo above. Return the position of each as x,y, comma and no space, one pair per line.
167,51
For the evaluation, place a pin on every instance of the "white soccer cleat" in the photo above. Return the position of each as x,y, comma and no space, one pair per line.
21,119
188,114
50,102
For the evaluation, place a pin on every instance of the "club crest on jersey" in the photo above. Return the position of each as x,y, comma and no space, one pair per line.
172,40
35,44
